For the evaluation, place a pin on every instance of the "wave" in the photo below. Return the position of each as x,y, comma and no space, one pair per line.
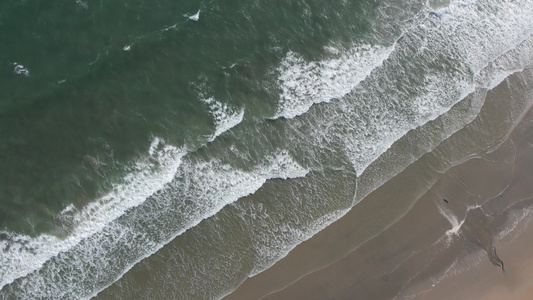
20,70
23,254
450,63
92,262
517,220
306,83
454,221
382,92
224,116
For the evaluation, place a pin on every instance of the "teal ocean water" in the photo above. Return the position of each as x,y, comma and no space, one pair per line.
127,125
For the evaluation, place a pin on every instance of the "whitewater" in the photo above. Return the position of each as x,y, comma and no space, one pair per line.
355,103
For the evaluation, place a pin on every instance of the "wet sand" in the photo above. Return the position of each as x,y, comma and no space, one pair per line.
481,282
483,172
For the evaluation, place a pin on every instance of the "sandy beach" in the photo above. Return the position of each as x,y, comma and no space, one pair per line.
303,149
437,249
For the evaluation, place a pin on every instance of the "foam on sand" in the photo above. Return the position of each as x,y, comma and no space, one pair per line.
432,67
195,17
199,190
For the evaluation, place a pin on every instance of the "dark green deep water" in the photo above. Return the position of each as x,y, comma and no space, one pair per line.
86,96
123,124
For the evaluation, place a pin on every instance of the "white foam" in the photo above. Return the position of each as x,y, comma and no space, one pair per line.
204,187
145,177
195,17
200,189
509,63
305,83
516,217
475,47
225,117
454,222
20,69
475,36
381,113
498,28
272,246
517,220
82,4
451,8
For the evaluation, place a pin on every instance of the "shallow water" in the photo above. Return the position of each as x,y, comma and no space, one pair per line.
247,126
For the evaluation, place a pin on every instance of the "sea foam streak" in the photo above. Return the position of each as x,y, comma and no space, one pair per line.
306,83
20,69
199,190
22,255
454,222
270,249
384,109
225,118
195,17
469,40
409,88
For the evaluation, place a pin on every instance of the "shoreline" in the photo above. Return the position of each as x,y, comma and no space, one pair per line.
484,283
369,270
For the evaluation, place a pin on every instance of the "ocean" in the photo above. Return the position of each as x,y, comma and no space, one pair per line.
231,130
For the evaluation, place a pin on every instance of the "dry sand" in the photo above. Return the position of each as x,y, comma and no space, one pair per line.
365,255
